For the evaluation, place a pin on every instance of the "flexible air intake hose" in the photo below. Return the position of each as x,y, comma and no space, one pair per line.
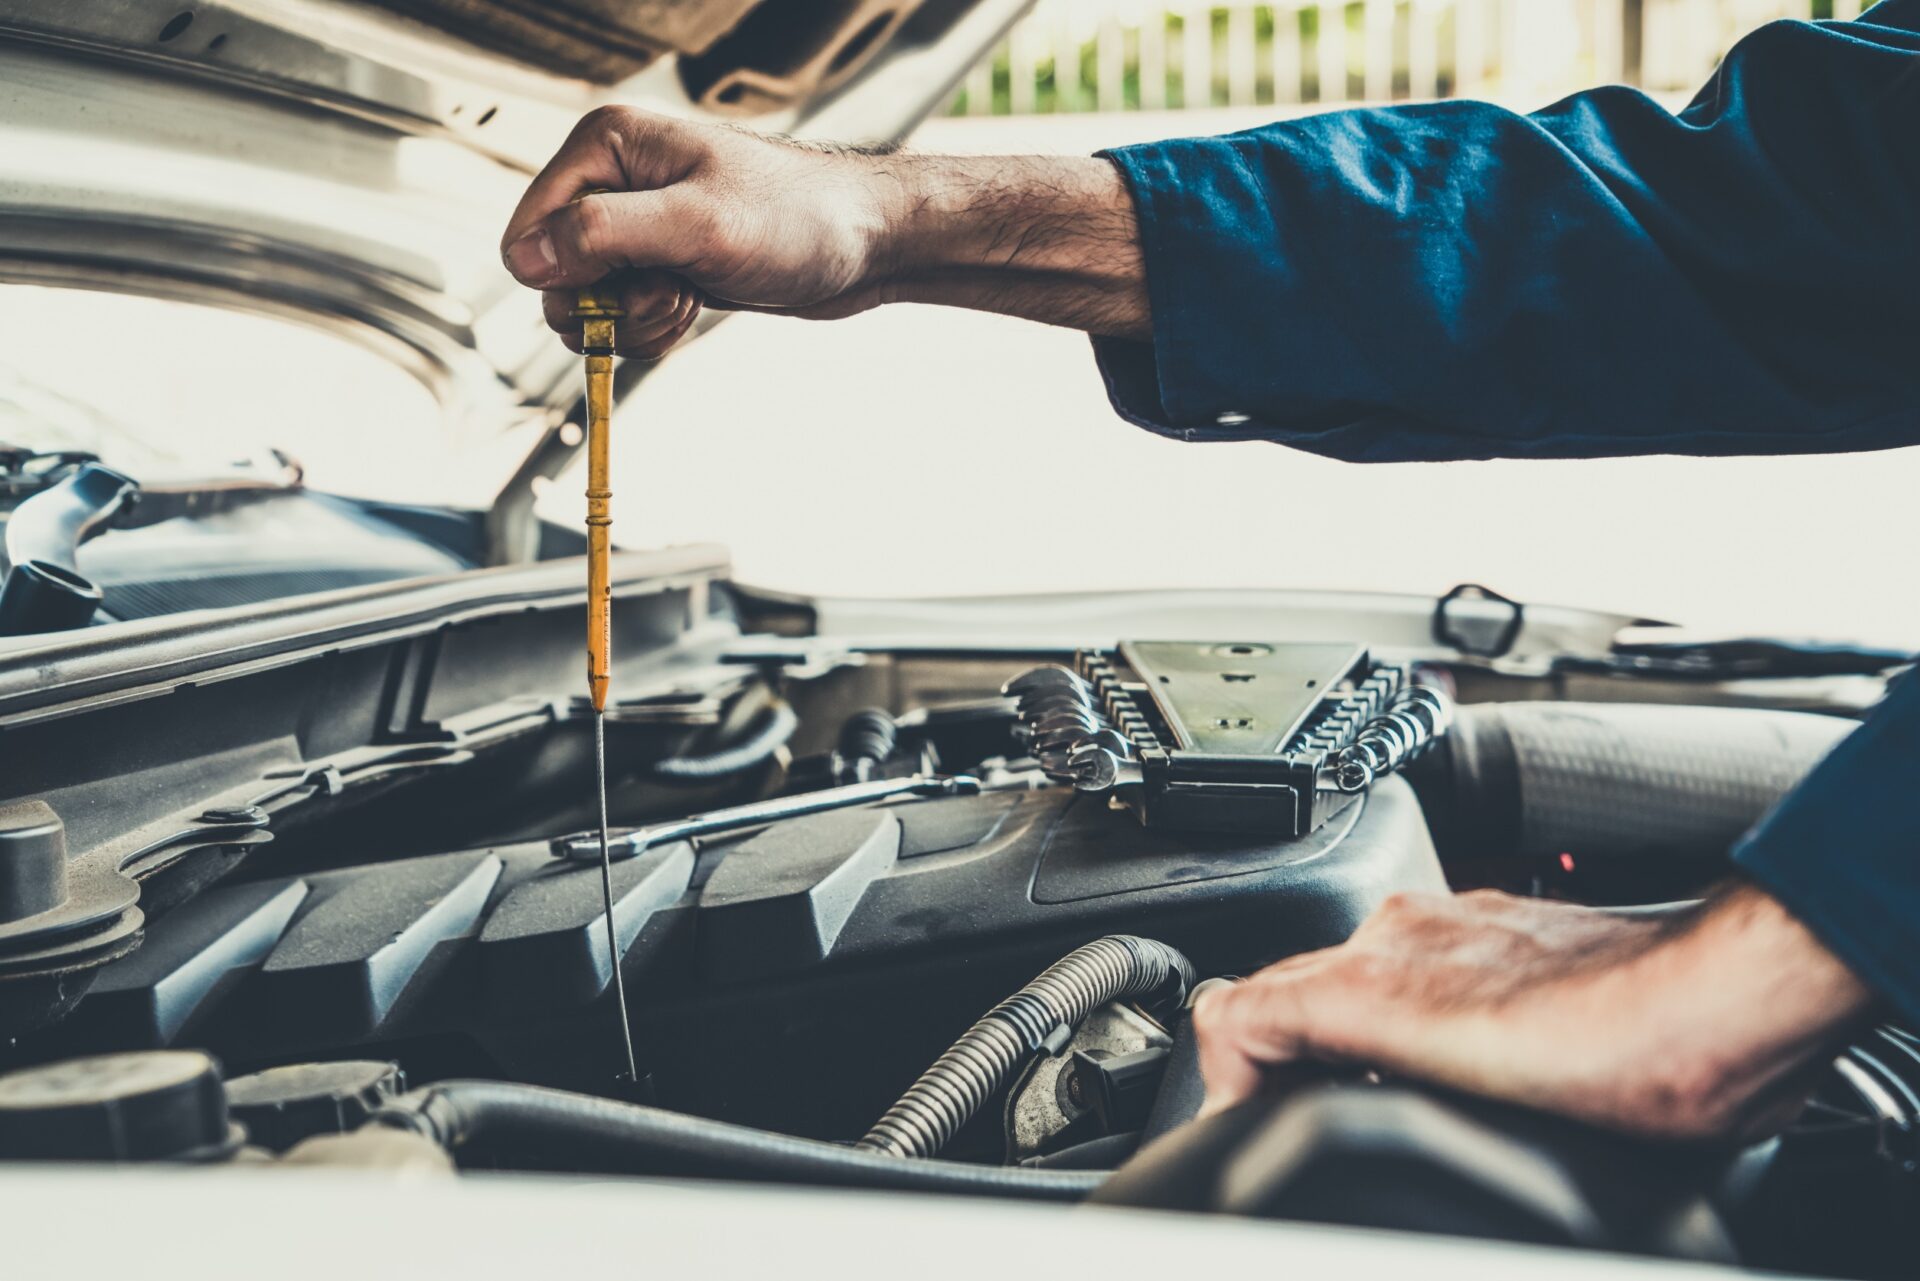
1613,779
771,730
1040,1016
528,1127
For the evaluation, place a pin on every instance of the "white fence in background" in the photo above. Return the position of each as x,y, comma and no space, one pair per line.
1123,55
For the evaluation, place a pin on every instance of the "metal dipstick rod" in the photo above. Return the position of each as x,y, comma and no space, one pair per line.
597,312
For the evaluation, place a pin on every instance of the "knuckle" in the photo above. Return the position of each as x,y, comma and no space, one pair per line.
588,230
1361,969
1684,1098
610,117
643,302
1210,1014
1401,904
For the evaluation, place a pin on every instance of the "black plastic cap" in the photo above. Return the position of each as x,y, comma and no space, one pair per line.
283,1105
155,1105
33,860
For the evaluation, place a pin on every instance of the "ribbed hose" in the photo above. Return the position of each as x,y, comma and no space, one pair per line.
1614,779
525,1127
774,726
1040,1016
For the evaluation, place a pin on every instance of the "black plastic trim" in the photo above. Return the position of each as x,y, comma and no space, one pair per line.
41,676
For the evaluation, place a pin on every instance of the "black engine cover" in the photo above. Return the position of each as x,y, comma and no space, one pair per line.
798,978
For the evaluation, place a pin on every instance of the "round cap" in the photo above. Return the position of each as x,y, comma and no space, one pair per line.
283,1105
154,1105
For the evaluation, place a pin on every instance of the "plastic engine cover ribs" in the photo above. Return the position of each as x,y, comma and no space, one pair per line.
752,963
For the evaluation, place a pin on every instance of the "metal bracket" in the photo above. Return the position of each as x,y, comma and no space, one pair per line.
1447,632
585,846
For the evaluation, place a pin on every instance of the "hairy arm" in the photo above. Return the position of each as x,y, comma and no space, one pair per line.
698,215
1047,238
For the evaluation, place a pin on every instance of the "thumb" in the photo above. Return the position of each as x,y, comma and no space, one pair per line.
596,235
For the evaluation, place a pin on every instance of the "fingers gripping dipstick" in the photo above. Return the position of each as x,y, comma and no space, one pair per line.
597,309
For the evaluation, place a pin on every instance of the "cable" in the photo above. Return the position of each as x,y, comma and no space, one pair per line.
1040,1016
774,726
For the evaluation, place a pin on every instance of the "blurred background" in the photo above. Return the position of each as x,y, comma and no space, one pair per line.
921,451
1132,55
925,451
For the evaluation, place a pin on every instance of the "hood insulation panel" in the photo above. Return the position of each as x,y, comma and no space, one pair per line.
599,40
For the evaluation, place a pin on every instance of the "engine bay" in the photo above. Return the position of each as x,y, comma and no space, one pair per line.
918,917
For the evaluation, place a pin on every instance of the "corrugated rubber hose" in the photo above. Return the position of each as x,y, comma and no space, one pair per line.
1614,779
526,1127
1041,1016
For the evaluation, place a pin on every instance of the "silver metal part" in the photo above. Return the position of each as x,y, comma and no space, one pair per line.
1096,768
1062,737
582,846
1417,716
1065,722
1049,678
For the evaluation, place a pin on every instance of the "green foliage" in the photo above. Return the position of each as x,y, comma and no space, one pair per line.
1068,79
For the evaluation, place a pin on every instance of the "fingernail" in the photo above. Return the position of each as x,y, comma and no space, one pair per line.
531,258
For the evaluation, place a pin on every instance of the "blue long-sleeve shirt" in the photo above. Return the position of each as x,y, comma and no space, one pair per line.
1599,278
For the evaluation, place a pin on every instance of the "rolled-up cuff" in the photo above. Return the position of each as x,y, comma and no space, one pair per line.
1187,242
1842,851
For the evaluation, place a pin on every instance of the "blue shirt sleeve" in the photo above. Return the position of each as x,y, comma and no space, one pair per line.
1842,850
1599,278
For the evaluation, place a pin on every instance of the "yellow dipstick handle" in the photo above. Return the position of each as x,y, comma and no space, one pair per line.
597,311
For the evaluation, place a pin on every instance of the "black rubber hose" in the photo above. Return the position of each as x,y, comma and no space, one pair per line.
44,590
1613,779
1040,1016
771,730
527,1127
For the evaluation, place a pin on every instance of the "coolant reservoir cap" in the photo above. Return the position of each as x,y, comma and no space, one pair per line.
154,1105
283,1105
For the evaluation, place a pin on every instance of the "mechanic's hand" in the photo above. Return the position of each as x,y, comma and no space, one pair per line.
1702,1023
716,216
694,212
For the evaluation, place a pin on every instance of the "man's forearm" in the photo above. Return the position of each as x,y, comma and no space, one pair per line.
1047,238
679,216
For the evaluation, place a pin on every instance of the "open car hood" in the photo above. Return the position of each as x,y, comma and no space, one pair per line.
351,164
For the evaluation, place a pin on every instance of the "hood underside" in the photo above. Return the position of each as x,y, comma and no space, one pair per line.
350,165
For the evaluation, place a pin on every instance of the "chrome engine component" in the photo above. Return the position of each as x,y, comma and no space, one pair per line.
1235,736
